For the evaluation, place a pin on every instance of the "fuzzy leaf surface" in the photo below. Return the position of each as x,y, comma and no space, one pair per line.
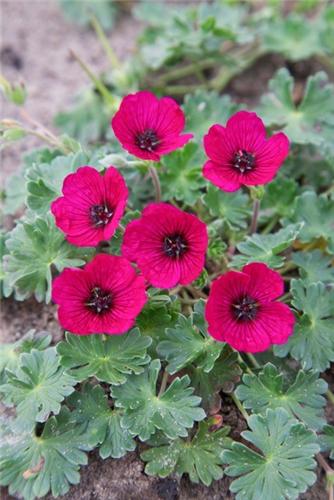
266,248
302,399
314,266
283,466
34,466
200,458
312,343
231,208
37,387
34,247
104,426
186,344
173,412
10,353
108,358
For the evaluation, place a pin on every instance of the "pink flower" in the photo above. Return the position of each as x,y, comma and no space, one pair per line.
103,297
240,154
242,311
149,127
168,245
92,205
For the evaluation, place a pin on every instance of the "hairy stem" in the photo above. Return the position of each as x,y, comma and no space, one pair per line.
252,360
113,59
163,383
156,182
256,209
97,82
330,396
238,404
329,475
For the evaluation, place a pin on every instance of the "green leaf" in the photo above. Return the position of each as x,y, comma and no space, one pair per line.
311,122
187,344
225,373
172,412
104,426
314,266
81,11
312,343
45,180
10,353
181,176
317,213
87,120
203,108
15,194
34,247
37,387
33,465
295,36
231,208
283,467
266,247
302,399
279,197
108,358
200,458
326,440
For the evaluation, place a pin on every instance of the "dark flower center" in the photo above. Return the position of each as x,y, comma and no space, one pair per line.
100,215
245,308
174,245
147,140
99,300
243,161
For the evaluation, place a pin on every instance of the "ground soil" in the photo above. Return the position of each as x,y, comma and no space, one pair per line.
35,42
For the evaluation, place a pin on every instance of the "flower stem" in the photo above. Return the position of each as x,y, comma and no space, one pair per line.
329,475
113,59
252,360
330,396
256,209
238,404
163,383
109,99
156,182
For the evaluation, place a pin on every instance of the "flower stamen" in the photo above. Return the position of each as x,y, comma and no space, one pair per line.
99,300
147,140
243,161
174,246
245,308
100,215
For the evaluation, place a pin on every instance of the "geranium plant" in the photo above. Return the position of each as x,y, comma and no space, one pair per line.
188,246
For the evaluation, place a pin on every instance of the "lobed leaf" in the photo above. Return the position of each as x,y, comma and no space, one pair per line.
108,358
103,424
172,412
37,387
232,209
200,458
33,465
10,353
312,343
283,466
266,247
303,398
34,247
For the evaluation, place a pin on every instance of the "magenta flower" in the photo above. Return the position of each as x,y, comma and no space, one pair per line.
168,245
240,154
149,127
103,297
92,205
242,311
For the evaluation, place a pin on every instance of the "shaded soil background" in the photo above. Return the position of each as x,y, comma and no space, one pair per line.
35,42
